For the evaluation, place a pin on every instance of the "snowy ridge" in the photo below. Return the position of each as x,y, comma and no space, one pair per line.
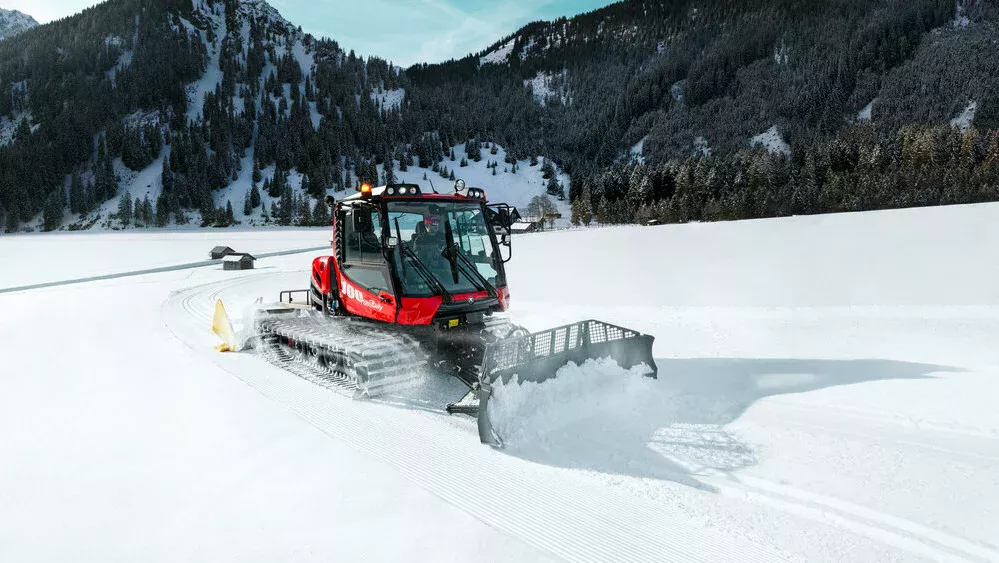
13,22
517,189
498,55
213,72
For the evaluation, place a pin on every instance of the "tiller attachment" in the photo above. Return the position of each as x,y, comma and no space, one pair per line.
537,357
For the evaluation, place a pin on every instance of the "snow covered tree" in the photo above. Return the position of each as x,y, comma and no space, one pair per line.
11,222
254,196
54,205
162,212
137,215
321,214
125,209
166,175
304,213
286,210
389,174
547,170
555,189
77,197
257,176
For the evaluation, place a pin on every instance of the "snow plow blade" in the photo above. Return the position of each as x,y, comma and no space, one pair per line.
537,357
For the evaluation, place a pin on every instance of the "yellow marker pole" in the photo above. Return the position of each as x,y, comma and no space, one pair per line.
223,328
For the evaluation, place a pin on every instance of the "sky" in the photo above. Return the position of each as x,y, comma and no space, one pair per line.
404,32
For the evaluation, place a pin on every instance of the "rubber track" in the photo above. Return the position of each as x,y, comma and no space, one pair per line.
369,360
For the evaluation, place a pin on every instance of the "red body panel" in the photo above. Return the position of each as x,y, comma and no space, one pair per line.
419,310
320,274
361,302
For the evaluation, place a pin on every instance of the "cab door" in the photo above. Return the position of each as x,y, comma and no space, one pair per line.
365,283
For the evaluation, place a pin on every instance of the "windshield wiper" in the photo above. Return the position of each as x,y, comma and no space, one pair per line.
449,252
476,276
470,271
422,269
402,259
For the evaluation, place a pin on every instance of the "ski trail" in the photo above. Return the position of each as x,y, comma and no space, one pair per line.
553,510
157,270
895,531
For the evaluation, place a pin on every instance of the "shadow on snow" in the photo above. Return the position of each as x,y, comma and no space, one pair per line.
677,431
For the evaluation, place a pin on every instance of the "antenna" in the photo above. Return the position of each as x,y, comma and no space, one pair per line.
431,184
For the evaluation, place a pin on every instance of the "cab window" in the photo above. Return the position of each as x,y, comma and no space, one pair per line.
362,236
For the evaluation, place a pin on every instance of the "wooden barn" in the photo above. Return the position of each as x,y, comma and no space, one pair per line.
238,261
219,252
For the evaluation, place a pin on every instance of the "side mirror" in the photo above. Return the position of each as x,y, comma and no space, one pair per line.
329,201
391,242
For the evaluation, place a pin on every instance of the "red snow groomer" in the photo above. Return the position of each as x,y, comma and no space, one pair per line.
417,280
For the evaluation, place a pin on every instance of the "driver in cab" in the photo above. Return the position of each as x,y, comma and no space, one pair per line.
429,241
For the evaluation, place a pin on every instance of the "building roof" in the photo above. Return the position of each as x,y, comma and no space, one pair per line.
221,249
237,257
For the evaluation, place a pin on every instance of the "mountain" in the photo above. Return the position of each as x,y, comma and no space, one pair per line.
13,22
675,110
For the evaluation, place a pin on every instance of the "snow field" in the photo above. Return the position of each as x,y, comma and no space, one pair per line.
32,259
826,393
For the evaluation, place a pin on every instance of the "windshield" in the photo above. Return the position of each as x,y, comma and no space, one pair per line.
421,227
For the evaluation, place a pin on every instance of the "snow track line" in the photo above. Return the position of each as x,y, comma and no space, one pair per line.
157,270
892,530
560,513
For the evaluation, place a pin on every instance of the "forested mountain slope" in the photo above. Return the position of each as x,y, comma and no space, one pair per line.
673,110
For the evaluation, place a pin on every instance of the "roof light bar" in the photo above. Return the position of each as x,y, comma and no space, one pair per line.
402,189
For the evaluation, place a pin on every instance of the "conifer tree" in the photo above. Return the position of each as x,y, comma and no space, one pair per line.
137,213
254,196
54,205
125,209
